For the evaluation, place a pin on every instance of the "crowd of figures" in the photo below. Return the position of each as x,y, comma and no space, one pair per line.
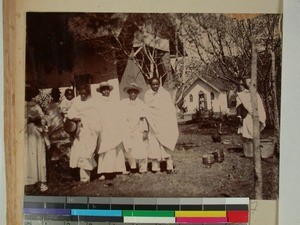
131,130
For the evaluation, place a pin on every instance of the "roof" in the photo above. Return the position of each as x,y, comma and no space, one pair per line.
217,83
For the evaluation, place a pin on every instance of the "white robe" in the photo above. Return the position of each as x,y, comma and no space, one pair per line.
84,146
35,146
65,105
132,112
244,98
111,154
163,127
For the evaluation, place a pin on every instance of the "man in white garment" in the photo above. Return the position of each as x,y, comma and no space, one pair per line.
163,127
244,111
136,129
82,151
111,153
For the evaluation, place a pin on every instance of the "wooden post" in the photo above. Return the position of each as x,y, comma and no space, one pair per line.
256,125
13,115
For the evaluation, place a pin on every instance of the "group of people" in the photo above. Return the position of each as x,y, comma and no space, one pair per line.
106,132
114,131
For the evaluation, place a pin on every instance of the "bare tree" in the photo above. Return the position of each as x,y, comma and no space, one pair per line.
225,42
240,47
146,39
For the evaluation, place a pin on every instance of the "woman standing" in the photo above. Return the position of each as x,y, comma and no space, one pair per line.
83,113
36,141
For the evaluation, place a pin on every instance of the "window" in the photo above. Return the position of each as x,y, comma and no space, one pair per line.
212,96
191,98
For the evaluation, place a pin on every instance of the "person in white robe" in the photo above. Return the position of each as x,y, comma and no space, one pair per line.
36,141
244,98
83,111
244,112
163,127
111,152
136,129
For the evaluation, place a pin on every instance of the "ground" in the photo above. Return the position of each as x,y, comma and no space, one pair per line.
234,177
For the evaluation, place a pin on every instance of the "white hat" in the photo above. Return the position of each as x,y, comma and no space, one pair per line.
133,86
104,84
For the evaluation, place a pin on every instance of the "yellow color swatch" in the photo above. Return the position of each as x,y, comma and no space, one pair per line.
200,213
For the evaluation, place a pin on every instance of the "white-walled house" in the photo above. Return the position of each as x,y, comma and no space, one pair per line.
205,95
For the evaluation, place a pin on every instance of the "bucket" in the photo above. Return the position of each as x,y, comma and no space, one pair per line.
267,147
219,156
208,160
248,149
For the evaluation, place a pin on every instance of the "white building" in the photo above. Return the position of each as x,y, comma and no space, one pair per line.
201,94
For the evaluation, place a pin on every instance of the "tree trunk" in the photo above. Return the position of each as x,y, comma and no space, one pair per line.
256,125
274,93
269,109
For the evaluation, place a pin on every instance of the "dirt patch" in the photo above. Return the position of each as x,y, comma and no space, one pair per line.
232,178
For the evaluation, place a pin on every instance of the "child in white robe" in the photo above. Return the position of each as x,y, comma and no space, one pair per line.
67,101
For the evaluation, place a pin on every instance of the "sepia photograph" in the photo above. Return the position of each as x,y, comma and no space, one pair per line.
152,104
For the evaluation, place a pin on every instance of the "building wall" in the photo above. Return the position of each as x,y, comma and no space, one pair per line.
219,104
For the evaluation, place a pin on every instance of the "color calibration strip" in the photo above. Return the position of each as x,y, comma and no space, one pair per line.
55,210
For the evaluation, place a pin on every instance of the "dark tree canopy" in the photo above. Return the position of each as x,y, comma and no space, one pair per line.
49,44
56,40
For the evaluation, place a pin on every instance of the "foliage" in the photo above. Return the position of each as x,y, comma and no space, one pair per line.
201,113
50,46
